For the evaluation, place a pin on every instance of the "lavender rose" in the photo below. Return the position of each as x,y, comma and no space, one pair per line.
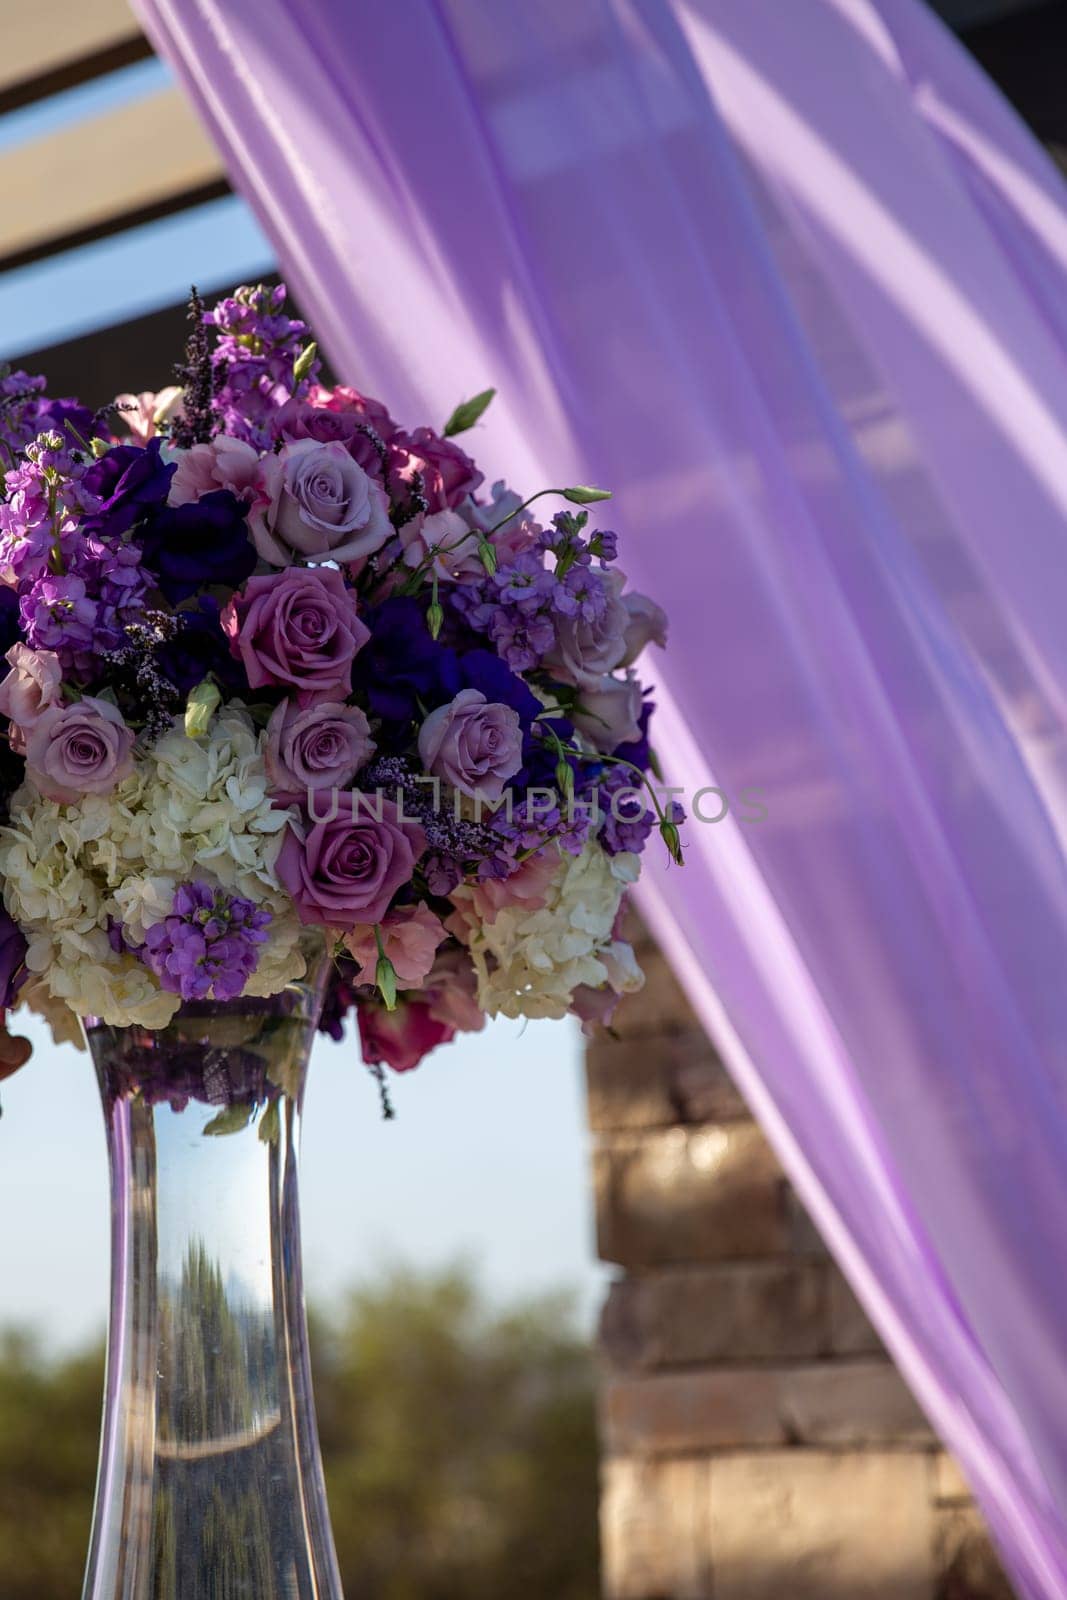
297,628
473,744
320,504
316,747
589,645
29,689
85,748
448,474
610,713
647,625
347,868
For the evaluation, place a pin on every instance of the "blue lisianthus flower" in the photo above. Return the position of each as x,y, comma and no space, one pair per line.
403,671
199,649
129,481
484,670
201,543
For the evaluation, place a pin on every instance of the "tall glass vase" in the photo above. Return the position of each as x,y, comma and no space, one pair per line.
210,1484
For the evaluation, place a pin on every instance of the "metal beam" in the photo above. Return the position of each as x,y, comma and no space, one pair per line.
53,46
141,161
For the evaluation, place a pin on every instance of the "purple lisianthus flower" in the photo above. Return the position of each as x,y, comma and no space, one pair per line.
129,481
201,543
402,667
12,956
54,415
208,945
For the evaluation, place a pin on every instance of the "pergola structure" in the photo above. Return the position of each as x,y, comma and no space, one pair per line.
757,1440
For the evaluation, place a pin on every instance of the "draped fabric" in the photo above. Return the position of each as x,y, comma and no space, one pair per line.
791,279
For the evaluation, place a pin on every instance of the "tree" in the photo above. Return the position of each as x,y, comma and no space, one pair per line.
459,1444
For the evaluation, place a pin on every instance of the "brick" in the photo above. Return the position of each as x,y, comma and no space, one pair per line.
734,1312
657,1082
654,1530
676,1413
968,1567
851,1403
851,1332
816,1526
688,1196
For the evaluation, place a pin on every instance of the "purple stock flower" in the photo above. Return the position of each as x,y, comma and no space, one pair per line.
208,945
253,361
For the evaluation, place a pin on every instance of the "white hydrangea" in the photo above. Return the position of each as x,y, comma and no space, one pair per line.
192,808
529,963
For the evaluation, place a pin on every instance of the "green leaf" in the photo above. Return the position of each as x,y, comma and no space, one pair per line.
583,495
231,1120
468,412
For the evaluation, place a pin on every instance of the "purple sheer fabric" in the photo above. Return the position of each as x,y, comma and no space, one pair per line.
792,280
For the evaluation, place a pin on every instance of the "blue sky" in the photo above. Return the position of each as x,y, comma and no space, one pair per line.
487,1159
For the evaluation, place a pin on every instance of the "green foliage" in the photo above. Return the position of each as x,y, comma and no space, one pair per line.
459,1444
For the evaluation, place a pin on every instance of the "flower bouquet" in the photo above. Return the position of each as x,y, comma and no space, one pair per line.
272,664
297,718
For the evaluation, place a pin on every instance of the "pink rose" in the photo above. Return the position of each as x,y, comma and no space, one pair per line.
85,748
647,625
448,473
511,531
225,463
346,869
29,689
410,937
609,714
473,744
478,903
399,1038
317,502
451,991
297,628
587,648
321,746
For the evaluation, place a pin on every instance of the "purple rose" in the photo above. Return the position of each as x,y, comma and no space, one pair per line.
298,420
647,625
448,473
296,628
315,747
346,869
473,744
610,714
320,504
85,748
588,646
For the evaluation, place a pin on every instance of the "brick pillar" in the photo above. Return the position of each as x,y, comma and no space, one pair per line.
757,1441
